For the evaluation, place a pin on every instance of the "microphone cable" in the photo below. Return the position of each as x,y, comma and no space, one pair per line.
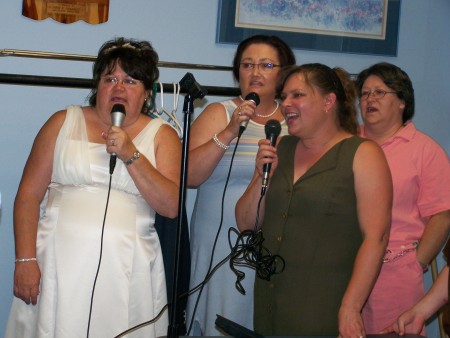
203,283
100,257
186,294
250,252
139,326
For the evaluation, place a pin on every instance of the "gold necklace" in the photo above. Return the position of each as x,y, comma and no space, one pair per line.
268,115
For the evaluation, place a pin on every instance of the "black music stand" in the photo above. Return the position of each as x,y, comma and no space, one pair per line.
234,329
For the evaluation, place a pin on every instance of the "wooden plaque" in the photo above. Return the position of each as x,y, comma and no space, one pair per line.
67,11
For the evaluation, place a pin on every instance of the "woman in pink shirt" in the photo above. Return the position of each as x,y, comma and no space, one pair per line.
420,171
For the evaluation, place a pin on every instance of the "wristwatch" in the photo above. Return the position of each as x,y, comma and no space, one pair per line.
136,156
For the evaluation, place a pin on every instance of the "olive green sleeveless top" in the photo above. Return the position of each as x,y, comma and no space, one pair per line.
312,224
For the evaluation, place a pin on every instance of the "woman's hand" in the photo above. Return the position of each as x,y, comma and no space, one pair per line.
119,142
242,114
26,281
266,154
350,323
409,322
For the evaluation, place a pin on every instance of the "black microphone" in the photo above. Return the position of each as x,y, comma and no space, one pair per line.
117,117
273,130
255,99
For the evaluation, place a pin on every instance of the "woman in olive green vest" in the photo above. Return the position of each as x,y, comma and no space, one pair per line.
326,212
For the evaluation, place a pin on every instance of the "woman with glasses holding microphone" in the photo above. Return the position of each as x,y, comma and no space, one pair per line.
88,258
421,178
215,132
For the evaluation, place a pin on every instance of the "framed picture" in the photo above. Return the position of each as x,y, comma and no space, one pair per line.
346,26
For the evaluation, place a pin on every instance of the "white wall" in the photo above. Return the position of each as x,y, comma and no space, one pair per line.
181,31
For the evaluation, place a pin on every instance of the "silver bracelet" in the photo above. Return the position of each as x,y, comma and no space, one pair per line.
20,260
220,144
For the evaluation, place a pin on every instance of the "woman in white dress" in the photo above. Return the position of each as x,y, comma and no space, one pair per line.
66,220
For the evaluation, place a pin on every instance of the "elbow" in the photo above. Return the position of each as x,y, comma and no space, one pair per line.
194,180
169,211
240,218
172,210
172,214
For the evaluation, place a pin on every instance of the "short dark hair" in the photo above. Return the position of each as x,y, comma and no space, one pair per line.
396,79
137,58
328,80
285,53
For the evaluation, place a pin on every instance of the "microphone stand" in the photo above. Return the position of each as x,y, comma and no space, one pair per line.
194,91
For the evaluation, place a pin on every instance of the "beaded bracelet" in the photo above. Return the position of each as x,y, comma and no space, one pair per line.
220,144
20,260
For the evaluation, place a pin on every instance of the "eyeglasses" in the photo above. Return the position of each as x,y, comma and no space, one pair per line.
264,66
376,94
127,82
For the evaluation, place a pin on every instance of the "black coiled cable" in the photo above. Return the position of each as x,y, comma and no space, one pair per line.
249,251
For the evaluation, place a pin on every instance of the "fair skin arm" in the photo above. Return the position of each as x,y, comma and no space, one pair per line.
33,186
247,205
158,186
413,320
373,187
433,238
204,153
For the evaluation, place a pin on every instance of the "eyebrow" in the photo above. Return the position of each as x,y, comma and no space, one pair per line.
265,60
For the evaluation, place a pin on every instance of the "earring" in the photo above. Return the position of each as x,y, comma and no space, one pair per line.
148,105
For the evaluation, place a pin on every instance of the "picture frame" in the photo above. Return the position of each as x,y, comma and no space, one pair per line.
228,32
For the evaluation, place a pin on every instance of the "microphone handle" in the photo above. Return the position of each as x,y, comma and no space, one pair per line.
267,166
265,178
117,117
244,124
112,163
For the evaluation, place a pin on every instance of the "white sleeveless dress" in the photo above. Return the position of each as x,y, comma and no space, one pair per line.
130,288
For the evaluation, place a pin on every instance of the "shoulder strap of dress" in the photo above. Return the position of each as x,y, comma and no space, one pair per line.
229,106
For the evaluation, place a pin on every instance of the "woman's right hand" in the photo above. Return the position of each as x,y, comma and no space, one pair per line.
244,112
26,281
266,154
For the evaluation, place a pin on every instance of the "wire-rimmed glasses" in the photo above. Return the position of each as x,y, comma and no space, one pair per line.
376,94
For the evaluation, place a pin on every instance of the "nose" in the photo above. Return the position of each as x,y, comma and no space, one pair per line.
370,97
119,84
285,102
255,69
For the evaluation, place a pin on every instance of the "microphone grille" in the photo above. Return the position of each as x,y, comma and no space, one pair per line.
118,108
253,97
272,127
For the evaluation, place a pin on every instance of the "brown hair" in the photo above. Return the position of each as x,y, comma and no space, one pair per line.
284,52
137,58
